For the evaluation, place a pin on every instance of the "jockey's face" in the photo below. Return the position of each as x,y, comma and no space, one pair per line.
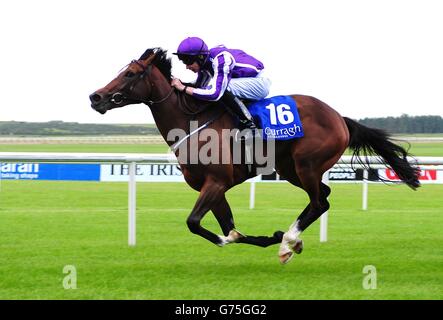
194,67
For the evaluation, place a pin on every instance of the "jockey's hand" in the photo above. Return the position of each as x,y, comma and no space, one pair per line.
176,83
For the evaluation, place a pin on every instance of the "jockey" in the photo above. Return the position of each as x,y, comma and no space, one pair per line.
226,74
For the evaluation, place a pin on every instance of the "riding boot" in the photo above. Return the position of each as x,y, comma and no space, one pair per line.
241,111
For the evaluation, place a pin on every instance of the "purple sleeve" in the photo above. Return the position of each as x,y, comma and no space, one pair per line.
222,65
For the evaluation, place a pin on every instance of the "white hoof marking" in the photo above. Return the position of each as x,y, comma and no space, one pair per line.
232,237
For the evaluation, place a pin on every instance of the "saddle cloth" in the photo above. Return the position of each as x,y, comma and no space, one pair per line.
278,117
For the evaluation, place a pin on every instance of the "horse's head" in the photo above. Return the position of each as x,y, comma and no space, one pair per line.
131,86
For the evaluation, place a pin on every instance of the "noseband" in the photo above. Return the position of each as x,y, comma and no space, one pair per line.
119,97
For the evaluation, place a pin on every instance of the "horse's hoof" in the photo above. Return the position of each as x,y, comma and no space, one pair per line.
222,242
285,258
235,234
298,246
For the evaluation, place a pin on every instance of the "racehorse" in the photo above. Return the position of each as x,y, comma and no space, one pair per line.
301,162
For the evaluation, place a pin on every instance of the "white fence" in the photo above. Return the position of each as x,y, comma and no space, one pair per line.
434,163
132,159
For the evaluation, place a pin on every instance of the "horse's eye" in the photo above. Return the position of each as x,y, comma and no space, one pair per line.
129,74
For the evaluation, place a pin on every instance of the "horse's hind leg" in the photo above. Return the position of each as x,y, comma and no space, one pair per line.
325,191
310,180
307,217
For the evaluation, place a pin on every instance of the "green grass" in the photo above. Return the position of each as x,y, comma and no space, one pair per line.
429,149
424,149
435,135
112,148
47,225
417,148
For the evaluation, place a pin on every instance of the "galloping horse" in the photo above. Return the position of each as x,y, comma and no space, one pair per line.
301,162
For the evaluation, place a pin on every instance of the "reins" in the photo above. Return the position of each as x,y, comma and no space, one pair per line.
185,108
119,97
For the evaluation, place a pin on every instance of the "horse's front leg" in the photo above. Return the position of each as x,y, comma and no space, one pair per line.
211,195
223,214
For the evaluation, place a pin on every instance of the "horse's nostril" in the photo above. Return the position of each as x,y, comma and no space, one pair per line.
95,97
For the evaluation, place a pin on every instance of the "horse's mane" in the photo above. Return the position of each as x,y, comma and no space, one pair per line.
161,61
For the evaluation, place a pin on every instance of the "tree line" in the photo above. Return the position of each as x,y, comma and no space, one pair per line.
404,124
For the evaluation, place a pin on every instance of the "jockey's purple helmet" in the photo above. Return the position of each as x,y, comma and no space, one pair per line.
192,46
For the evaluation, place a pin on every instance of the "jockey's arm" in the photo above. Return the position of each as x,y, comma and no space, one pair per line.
222,66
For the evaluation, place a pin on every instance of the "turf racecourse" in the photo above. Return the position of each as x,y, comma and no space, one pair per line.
48,225
415,147
45,226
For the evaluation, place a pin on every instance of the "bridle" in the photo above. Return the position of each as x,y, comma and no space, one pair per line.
119,97
122,95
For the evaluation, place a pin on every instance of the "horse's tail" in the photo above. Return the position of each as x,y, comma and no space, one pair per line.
369,141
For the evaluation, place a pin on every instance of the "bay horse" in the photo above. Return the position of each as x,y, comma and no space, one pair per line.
301,162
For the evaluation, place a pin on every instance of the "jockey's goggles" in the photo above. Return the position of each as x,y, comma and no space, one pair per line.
187,59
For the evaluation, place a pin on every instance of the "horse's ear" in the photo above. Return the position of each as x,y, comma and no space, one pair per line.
147,60
148,56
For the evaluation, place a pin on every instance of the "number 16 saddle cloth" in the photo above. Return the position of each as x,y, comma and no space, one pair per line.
278,117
